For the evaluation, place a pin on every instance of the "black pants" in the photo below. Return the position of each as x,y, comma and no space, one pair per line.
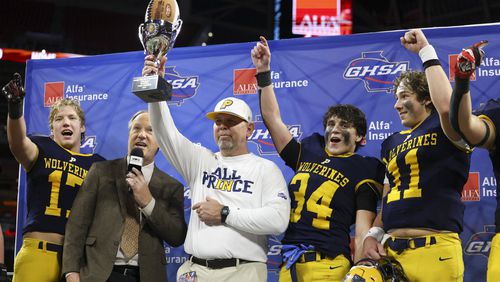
120,275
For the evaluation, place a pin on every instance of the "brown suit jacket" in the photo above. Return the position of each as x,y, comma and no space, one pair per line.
95,225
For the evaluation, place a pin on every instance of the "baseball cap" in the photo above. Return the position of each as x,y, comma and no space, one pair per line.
232,106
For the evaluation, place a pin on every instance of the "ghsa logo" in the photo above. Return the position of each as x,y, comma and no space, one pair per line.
183,87
480,243
187,199
375,70
452,63
88,145
262,138
274,258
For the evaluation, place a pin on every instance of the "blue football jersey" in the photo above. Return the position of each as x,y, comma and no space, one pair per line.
491,111
53,183
426,174
324,193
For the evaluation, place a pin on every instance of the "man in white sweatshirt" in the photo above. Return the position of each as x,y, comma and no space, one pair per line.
238,198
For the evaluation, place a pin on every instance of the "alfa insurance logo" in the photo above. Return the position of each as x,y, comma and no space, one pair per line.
244,81
53,92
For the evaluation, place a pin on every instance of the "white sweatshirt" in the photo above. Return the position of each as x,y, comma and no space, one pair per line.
252,187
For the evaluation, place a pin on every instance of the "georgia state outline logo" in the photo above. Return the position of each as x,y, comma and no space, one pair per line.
262,137
375,70
183,87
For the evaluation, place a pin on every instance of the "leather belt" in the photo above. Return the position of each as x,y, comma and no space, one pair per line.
401,244
126,270
218,263
50,247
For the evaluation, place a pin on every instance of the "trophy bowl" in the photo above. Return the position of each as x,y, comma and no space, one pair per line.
157,34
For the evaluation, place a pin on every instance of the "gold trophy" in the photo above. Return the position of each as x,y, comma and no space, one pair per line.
157,34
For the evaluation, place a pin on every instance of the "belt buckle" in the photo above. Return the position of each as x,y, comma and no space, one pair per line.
127,271
206,263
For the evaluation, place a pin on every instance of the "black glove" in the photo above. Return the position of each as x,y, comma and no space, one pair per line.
14,92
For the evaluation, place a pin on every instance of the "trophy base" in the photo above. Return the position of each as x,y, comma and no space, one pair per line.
152,88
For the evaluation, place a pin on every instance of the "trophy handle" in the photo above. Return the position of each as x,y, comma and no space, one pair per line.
178,26
141,30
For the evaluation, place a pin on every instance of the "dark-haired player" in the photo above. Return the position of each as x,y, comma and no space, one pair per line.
55,170
422,210
478,129
332,188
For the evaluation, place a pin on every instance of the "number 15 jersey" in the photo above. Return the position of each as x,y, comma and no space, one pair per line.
426,174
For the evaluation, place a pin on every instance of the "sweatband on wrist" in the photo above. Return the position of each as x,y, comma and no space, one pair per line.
427,53
263,79
375,232
15,110
428,56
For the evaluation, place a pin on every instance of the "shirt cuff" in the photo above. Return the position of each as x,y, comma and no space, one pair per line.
148,209
69,273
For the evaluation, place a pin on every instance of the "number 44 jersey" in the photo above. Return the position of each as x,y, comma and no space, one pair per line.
53,183
426,174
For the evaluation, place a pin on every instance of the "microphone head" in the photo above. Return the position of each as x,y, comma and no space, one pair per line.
136,159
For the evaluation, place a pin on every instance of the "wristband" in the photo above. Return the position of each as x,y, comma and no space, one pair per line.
375,232
15,109
427,53
428,56
263,79
430,63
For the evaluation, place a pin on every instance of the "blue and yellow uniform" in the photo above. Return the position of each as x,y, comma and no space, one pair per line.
326,192
491,111
52,184
426,173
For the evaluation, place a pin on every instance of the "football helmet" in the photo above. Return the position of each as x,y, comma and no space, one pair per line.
369,270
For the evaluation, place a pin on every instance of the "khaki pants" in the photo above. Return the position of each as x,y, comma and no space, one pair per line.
244,272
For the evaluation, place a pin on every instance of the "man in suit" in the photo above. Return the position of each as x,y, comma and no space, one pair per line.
97,246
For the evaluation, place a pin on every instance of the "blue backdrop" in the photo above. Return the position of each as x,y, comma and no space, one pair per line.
308,76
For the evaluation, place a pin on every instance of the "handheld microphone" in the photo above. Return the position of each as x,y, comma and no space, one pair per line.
136,159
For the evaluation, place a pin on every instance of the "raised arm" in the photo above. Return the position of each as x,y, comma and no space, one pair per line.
176,148
23,149
269,108
474,130
439,85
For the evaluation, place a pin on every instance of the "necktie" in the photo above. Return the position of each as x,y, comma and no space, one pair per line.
130,236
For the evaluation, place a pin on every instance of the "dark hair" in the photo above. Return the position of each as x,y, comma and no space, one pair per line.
417,83
350,114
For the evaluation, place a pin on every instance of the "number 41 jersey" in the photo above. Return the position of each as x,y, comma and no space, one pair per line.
426,174
53,183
